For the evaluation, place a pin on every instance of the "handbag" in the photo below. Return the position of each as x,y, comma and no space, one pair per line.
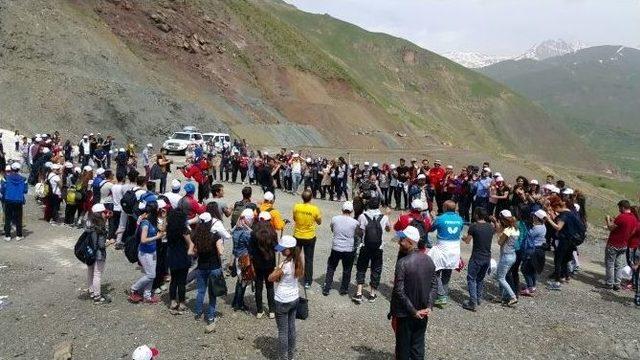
217,285
302,310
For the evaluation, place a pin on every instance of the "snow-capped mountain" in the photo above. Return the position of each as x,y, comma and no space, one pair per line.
473,60
551,48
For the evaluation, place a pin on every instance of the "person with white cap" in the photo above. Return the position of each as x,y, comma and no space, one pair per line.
146,159
508,234
414,288
241,235
533,252
150,233
345,229
296,172
422,191
97,228
85,150
12,193
416,219
499,195
286,294
207,246
261,247
174,195
52,208
144,352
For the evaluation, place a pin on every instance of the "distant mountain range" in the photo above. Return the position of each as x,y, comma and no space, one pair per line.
594,91
541,51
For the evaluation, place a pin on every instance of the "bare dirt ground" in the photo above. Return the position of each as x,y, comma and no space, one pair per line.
41,278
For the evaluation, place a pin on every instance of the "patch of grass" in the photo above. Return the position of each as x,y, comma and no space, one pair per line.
627,189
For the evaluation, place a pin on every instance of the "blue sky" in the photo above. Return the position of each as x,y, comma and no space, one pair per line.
495,27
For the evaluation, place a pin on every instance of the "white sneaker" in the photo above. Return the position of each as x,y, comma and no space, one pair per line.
7,238
272,315
18,238
260,315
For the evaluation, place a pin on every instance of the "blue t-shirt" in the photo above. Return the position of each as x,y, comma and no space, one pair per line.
448,226
149,247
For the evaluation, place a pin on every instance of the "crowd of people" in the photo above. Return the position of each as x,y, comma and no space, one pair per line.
178,235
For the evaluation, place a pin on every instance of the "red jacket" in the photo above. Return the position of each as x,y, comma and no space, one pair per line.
634,240
406,219
436,175
195,208
196,171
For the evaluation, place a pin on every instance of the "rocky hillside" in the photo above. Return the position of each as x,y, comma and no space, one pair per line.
260,69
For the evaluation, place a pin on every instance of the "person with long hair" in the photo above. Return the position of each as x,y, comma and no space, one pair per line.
86,194
263,239
508,234
208,248
150,233
97,228
179,248
241,235
286,277
533,252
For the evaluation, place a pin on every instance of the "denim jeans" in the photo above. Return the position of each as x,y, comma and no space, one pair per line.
286,321
202,280
476,271
238,296
504,265
295,178
614,261
148,262
444,276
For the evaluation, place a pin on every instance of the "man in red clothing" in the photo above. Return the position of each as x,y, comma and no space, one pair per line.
620,231
198,172
189,205
436,176
416,219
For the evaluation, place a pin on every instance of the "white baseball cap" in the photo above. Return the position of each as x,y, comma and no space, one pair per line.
175,184
438,162
7,168
497,174
205,217
417,204
87,168
308,160
16,165
38,139
450,167
85,137
411,233
161,204
568,191
486,169
268,196
77,169
247,213
392,166
150,145
98,208
375,164
100,171
540,214
285,242
296,155
506,213
144,353
121,150
56,167
499,178
347,206
422,177
68,165
265,216
46,150
366,163
533,182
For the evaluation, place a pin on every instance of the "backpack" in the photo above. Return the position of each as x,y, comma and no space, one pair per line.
131,244
238,207
577,237
42,189
96,191
422,230
373,232
129,202
73,196
86,248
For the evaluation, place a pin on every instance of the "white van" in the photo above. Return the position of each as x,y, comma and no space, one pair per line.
216,140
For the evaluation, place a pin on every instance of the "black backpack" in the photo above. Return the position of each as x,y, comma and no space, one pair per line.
579,233
422,230
86,248
131,246
373,232
129,202
239,207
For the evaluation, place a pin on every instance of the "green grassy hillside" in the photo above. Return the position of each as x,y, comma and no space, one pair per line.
594,91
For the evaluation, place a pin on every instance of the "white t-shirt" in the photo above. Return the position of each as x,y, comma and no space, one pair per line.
286,289
116,193
174,198
217,227
54,183
373,214
105,192
296,167
344,230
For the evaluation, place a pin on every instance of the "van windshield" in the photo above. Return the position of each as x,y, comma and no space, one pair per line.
181,136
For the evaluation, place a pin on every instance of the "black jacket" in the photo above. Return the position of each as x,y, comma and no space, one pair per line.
415,285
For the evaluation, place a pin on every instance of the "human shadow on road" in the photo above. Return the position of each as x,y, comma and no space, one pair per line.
367,353
337,282
267,345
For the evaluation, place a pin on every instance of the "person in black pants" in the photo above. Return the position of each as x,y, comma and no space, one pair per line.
261,248
13,199
345,229
178,248
414,288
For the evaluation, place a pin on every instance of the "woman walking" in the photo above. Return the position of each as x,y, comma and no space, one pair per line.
97,228
286,277
150,233
508,234
179,248
241,235
263,239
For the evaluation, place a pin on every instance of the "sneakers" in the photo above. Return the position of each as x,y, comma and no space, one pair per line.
307,286
260,315
468,305
18,238
526,292
152,300
272,315
441,301
616,287
325,292
7,238
357,299
372,297
511,303
554,285
134,297
101,300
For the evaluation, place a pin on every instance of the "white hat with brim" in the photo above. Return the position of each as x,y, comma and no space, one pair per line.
534,182
264,216
410,233
16,165
347,206
56,167
87,168
176,184
506,213
205,217
144,353
540,214
268,196
98,208
417,204
422,177
100,171
285,242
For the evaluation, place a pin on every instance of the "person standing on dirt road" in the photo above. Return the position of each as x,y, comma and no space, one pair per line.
97,228
345,229
414,286
150,233
146,160
13,190
306,217
620,231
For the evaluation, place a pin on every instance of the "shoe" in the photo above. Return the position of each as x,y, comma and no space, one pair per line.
526,292
101,300
134,297
307,286
260,315
512,302
152,300
158,291
637,301
211,321
372,298
272,315
468,305
163,287
325,292
18,238
119,246
7,238
343,292
441,301
554,285
616,287
197,317
357,299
